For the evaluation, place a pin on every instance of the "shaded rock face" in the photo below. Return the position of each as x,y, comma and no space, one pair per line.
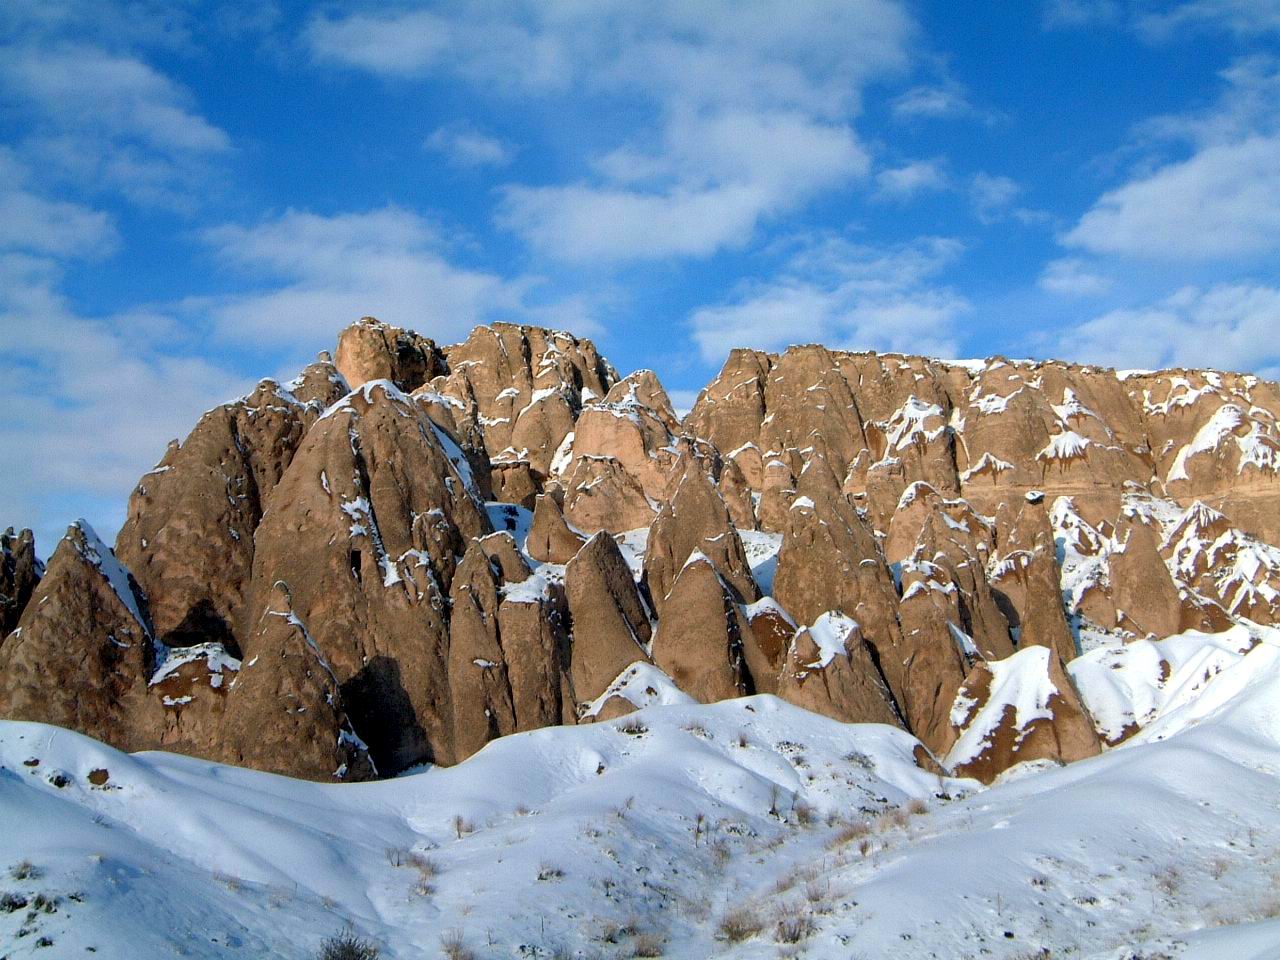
611,627
284,707
20,571
311,582
82,652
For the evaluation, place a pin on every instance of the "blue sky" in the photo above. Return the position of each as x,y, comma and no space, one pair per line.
194,195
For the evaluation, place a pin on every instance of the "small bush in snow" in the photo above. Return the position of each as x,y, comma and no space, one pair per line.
347,946
740,924
849,832
549,871
794,924
805,815
12,902
454,946
648,945
633,726
462,826
24,870
917,806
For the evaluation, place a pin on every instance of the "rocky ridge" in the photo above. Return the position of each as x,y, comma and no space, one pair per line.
414,549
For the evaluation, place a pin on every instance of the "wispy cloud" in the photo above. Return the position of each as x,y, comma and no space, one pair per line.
465,147
748,108
911,179
845,295
1228,326
1221,201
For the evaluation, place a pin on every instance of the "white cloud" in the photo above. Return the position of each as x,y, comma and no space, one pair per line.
1244,18
1228,326
745,108
910,180
319,273
32,223
465,147
87,88
1080,13
931,102
843,295
710,186
1220,201
1072,277
89,402
992,195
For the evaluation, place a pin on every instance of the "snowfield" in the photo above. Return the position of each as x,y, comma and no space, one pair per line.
727,830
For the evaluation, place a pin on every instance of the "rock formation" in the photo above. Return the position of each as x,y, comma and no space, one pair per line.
311,582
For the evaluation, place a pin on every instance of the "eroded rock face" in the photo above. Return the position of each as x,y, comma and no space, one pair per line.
82,651
829,670
284,707
611,628
365,527
20,571
189,536
321,562
551,539
702,633
372,350
696,520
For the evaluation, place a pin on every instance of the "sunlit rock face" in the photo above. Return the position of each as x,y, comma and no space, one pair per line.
415,548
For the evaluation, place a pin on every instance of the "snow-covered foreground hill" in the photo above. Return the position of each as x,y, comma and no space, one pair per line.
687,831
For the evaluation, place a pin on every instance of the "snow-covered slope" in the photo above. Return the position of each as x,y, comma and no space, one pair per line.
691,825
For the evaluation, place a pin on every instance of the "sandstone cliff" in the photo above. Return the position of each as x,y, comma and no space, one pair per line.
311,582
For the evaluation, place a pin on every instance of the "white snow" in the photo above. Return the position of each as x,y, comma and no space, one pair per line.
1064,446
829,633
643,685
672,817
1020,681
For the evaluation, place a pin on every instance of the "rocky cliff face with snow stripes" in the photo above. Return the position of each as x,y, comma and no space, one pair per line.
414,549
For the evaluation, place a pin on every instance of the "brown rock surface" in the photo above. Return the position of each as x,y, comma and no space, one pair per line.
551,539
696,520
189,535
284,708
700,637
372,350
611,628
1020,709
829,670
82,652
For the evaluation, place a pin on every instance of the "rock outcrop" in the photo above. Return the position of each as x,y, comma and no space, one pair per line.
311,582
82,652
